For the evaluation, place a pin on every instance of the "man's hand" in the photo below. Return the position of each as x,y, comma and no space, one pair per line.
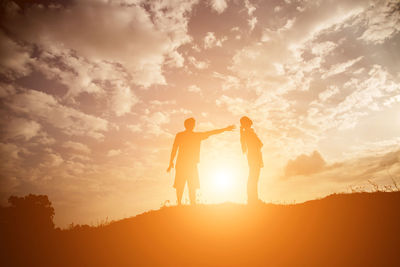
171,165
230,128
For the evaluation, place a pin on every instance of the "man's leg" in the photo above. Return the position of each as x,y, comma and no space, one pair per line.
193,183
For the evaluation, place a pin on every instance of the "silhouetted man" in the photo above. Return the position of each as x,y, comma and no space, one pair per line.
188,144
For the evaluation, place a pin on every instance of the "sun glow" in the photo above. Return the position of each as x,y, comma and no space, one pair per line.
223,180
223,176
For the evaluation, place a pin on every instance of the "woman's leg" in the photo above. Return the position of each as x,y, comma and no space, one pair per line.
252,184
192,195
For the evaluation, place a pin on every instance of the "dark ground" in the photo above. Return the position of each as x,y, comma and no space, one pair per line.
360,229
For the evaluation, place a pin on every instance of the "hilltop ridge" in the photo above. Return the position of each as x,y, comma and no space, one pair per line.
339,230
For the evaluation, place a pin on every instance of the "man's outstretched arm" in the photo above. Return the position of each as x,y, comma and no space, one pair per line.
218,131
173,153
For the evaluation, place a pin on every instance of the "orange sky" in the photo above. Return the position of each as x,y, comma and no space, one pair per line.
93,92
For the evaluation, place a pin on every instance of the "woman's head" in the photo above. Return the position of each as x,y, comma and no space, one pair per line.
245,122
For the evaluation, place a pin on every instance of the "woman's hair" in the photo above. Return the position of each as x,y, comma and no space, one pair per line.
245,122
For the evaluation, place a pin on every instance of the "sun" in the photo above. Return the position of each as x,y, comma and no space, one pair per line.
223,180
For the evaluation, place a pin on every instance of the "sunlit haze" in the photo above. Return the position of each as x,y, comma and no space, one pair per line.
94,92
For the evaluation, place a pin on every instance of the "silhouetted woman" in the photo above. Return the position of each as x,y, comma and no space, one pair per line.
251,145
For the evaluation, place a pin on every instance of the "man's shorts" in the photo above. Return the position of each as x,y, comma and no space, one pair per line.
189,173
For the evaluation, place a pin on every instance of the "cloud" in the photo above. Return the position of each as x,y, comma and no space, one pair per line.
229,81
318,17
211,41
17,128
219,5
341,67
390,159
77,147
391,100
158,103
51,160
378,85
358,170
155,121
11,150
77,73
175,59
294,54
250,7
123,99
201,65
120,33
6,90
103,80
348,175
194,89
383,22
14,59
328,93
135,128
285,46
252,23
114,152
305,165
355,99
46,108
257,62
237,106
323,48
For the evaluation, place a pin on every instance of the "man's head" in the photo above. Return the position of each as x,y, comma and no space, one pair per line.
189,124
